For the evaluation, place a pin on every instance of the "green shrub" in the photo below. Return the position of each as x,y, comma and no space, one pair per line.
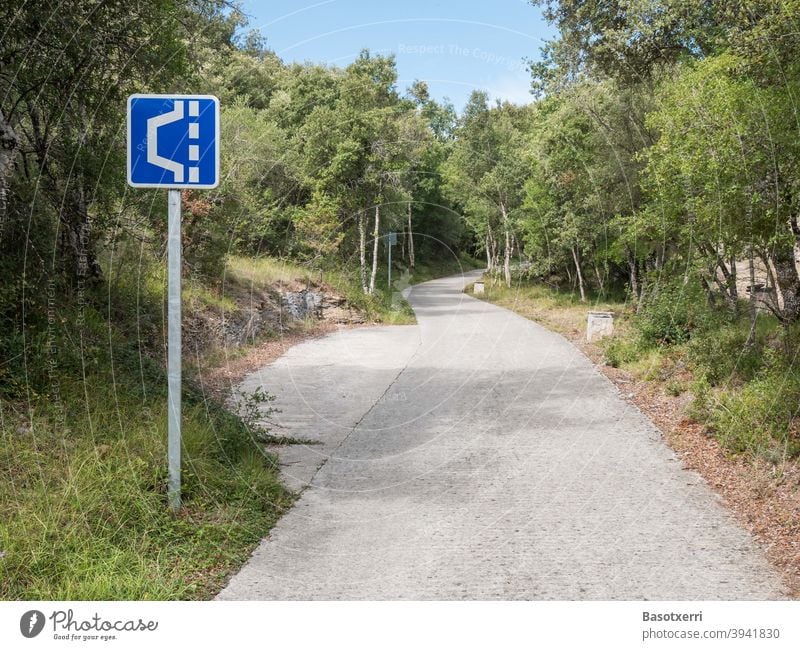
83,509
671,312
674,387
757,418
701,395
620,351
722,353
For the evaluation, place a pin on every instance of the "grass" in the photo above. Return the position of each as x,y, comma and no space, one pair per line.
262,271
198,296
556,309
83,510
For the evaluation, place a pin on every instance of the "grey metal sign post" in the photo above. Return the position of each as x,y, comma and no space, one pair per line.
173,143
174,349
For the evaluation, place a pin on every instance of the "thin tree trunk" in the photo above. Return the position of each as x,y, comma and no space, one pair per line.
490,258
507,248
494,253
9,143
362,249
507,261
576,259
411,259
728,287
788,285
710,298
599,277
376,240
633,278
751,336
772,283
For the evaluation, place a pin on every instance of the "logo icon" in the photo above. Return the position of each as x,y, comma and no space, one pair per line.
31,623
173,141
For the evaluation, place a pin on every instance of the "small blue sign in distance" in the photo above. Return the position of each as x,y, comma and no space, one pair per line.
173,141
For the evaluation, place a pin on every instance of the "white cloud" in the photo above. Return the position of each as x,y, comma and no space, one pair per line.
513,88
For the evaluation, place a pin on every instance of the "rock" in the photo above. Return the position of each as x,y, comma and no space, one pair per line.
303,304
600,324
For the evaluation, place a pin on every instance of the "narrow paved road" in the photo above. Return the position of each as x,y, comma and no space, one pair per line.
479,456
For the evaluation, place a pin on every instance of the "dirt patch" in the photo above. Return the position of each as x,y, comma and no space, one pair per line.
764,498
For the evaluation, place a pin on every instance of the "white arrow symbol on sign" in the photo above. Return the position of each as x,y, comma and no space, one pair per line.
153,124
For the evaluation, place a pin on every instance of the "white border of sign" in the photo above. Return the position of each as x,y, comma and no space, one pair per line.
174,186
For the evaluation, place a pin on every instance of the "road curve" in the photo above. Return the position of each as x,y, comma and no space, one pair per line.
479,456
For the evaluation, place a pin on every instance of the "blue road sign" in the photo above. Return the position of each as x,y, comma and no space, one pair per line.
173,141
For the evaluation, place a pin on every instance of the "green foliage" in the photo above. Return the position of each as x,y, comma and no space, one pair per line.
674,387
83,511
672,313
722,353
758,418
620,351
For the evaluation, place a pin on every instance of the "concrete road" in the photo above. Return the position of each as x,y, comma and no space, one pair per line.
479,456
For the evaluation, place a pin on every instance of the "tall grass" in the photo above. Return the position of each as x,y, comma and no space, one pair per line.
83,509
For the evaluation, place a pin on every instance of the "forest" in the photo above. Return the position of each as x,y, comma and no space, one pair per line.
661,144
658,164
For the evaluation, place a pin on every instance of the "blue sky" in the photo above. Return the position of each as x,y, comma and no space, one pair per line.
455,46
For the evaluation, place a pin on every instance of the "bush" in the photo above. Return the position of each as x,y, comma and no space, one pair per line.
620,351
721,354
757,418
674,387
671,313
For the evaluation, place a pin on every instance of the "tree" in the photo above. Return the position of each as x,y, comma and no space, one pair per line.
486,172
66,71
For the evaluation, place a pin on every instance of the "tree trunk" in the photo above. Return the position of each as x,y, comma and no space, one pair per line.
362,249
576,259
9,142
633,278
728,287
507,261
376,241
751,336
788,285
710,298
410,239
507,248
734,289
489,249
772,283
599,277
